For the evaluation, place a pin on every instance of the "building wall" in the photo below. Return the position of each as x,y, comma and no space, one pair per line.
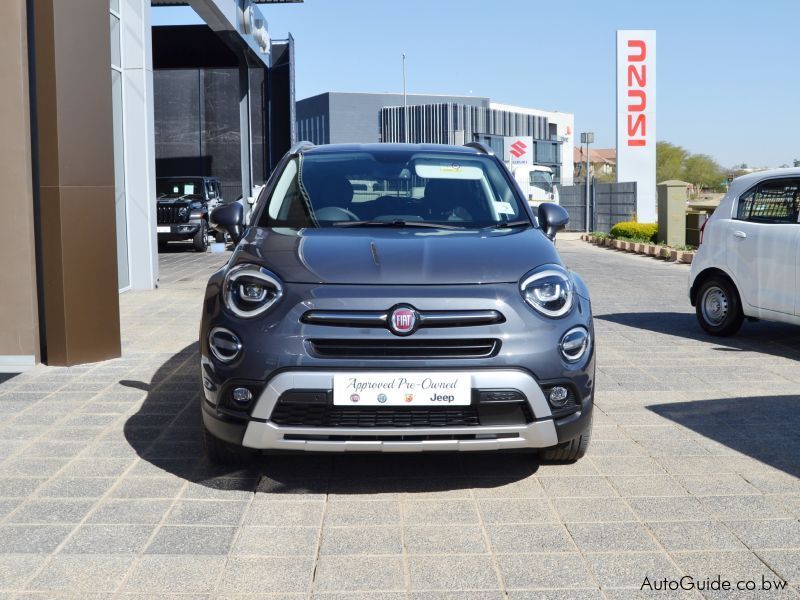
563,125
352,117
19,329
137,145
74,177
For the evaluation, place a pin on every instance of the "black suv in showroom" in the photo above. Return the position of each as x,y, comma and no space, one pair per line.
182,209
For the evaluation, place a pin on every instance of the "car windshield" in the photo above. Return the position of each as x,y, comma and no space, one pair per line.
392,188
543,180
178,188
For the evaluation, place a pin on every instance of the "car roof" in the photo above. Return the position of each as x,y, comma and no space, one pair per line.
379,148
745,182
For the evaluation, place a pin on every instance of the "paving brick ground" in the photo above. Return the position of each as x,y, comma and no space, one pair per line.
693,471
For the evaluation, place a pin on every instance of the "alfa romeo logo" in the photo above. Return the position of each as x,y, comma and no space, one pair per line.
403,320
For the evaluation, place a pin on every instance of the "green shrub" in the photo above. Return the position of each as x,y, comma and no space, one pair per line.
643,232
600,235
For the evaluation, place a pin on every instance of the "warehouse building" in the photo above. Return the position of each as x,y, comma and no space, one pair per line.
351,117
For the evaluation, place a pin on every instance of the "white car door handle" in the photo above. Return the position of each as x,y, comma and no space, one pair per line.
739,234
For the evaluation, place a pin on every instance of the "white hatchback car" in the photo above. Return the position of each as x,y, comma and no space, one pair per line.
747,264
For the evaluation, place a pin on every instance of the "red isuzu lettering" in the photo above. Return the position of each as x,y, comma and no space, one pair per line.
637,82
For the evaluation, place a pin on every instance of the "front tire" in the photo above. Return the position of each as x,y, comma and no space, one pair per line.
569,451
219,452
200,240
718,307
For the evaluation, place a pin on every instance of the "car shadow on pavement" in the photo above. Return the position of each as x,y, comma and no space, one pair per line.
762,427
777,339
166,431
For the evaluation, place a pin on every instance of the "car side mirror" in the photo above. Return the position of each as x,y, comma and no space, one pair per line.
229,217
552,218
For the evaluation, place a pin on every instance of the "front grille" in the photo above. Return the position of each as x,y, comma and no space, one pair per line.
168,213
309,415
408,348
427,318
303,408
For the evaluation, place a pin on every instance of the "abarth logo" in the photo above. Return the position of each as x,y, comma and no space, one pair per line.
403,320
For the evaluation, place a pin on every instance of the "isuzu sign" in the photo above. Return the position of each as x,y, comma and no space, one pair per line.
518,150
636,117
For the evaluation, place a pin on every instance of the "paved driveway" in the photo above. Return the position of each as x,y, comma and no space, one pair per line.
693,471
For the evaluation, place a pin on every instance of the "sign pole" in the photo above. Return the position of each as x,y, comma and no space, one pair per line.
587,138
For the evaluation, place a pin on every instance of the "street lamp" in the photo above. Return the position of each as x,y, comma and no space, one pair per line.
588,138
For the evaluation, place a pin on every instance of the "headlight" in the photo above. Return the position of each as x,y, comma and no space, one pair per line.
250,290
183,212
549,291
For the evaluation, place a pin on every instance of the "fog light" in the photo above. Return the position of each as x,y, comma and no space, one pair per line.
574,344
559,395
241,395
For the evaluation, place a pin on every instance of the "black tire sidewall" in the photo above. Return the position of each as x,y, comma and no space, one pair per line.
734,318
201,238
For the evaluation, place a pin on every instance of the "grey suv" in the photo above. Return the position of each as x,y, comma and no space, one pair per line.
428,310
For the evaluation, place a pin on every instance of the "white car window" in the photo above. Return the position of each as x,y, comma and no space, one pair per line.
773,201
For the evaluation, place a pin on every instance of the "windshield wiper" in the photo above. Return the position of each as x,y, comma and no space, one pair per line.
395,223
509,224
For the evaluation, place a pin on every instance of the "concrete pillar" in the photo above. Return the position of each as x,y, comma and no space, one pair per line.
76,180
19,322
672,198
139,142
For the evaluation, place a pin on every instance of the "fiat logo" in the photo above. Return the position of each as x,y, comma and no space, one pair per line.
403,320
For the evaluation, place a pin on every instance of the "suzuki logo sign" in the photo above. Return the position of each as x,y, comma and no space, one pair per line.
516,150
636,117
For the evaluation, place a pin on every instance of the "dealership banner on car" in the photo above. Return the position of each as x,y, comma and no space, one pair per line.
636,117
402,389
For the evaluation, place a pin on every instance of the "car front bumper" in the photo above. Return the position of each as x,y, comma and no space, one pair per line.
259,432
178,231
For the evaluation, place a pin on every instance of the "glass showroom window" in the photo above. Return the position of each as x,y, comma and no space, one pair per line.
123,270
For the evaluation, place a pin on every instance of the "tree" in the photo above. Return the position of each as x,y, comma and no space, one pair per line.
670,160
703,171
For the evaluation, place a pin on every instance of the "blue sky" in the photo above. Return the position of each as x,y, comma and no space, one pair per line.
727,82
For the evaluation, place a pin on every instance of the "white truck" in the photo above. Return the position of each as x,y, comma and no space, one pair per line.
535,181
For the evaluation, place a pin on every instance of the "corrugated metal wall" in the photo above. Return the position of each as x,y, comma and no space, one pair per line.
437,123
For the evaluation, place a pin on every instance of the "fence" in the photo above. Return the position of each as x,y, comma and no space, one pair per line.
612,203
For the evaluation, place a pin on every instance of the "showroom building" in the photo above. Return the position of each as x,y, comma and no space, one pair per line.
351,117
79,163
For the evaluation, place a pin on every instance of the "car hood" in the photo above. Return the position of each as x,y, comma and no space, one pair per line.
397,256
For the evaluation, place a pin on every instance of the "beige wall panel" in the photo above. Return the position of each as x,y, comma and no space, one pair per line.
19,333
